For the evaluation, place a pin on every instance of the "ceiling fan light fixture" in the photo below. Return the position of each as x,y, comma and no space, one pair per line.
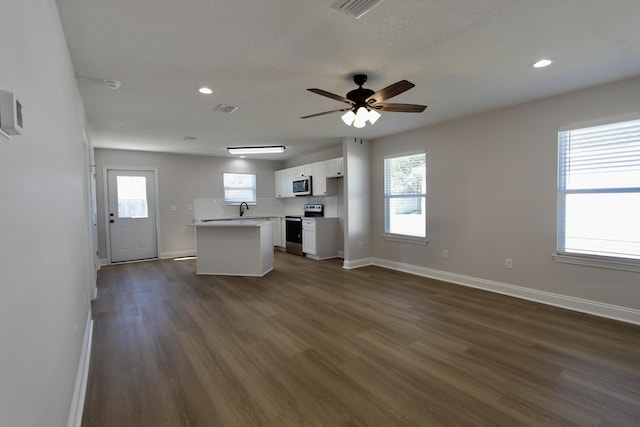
364,103
373,116
348,117
362,114
270,149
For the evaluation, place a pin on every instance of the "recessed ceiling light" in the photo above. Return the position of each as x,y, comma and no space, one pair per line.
112,84
205,90
542,63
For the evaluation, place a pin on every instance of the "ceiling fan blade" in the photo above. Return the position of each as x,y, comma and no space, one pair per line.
326,112
332,96
390,91
400,108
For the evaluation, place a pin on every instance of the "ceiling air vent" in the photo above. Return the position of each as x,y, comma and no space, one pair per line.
356,8
224,108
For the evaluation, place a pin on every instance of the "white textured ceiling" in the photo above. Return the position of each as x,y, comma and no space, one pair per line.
464,56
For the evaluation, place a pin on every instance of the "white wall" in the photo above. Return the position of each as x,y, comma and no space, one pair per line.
181,179
45,244
491,183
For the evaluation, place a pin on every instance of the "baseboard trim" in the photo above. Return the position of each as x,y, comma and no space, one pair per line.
80,389
596,308
357,263
104,261
177,254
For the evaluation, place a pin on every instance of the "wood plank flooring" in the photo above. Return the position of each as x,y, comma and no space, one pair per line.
312,344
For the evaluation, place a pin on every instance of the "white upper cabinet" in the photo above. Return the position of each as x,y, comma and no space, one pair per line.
319,179
303,170
334,168
281,184
319,172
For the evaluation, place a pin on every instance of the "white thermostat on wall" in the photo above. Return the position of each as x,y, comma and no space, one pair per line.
10,113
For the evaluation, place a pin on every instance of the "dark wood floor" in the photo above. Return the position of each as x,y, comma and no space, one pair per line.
312,344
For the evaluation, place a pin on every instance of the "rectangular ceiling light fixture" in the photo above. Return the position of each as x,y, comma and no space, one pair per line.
270,149
356,8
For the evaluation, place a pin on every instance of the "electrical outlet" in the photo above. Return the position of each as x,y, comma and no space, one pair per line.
445,253
508,263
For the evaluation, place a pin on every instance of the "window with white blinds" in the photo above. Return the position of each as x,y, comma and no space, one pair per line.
599,191
239,187
405,196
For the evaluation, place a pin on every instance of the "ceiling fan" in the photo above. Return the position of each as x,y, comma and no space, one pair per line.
364,104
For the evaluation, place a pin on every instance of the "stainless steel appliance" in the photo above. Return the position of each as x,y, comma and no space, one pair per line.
293,225
313,210
302,186
293,234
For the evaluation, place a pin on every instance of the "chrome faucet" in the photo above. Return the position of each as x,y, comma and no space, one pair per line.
242,206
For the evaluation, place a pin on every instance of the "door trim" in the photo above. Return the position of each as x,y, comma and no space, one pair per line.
105,183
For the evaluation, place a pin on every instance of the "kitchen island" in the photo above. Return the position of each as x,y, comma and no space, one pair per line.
234,247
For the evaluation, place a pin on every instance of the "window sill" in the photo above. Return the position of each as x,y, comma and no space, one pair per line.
405,239
598,261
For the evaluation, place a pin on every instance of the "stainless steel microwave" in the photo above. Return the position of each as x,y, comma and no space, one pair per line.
302,186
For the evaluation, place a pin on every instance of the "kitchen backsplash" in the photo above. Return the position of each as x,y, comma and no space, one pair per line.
267,207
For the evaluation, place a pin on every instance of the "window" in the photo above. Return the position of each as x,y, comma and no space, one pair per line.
405,196
132,197
599,191
239,187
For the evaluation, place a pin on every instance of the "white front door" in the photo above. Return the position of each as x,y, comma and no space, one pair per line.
132,214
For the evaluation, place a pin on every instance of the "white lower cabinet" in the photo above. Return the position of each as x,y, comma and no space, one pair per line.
277,231
320,237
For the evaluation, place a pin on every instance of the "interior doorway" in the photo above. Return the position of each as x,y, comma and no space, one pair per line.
131,214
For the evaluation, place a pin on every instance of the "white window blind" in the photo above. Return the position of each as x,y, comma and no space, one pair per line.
599,191
239,187
405,195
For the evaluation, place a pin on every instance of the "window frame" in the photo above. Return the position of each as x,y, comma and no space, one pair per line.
234,202
406,238
562,255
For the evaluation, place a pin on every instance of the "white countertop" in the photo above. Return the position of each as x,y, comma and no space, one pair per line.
231,223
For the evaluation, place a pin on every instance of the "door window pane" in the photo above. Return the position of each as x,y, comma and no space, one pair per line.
132,197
